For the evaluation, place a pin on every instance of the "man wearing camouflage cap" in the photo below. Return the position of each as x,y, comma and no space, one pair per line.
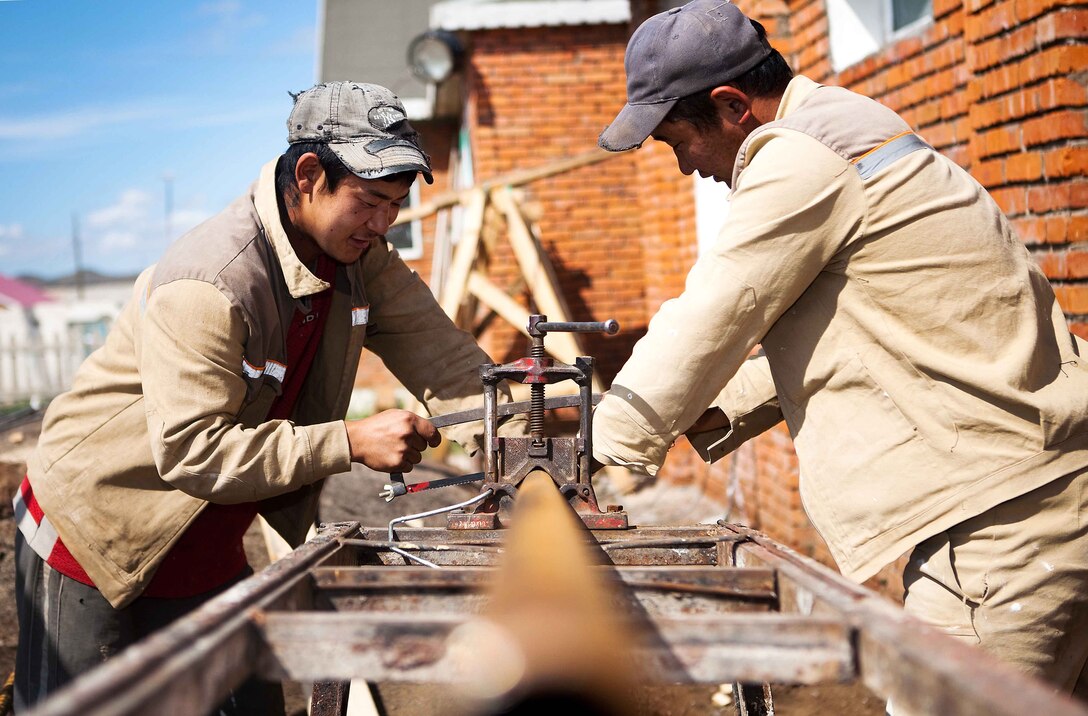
935,395
220,394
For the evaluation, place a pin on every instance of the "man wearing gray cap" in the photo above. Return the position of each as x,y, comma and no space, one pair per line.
934,392
221,392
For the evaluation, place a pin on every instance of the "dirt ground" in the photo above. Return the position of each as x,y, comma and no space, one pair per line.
353,496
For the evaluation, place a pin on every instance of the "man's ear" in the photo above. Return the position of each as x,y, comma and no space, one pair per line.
308,173
733,105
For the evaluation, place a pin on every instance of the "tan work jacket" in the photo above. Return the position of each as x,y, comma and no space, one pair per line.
916,352
170,414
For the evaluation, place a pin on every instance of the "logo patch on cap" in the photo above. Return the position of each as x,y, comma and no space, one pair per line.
384,117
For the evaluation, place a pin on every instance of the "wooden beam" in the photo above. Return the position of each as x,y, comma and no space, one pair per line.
515,178
464,255
539,276
498,301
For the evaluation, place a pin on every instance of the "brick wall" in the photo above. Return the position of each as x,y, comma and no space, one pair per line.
536,95
620,233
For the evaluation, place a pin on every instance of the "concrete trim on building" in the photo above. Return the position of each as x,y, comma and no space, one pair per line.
455,15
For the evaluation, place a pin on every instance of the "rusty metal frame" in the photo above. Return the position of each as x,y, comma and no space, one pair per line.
718,603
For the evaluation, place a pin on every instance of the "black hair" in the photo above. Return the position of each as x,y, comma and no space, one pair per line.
767,79
335,170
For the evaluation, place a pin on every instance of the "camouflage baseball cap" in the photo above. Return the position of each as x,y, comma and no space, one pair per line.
365,125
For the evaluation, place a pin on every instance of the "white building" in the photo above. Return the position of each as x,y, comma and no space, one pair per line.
47,330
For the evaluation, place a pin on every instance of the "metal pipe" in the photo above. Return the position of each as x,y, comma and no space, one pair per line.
430,513
611,326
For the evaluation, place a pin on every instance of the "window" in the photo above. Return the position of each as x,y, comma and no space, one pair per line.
858,28
711,210
408,238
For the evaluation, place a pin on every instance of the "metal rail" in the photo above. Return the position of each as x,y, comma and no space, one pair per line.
708,604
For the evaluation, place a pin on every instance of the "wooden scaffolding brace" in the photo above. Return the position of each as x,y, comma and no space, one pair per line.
466,280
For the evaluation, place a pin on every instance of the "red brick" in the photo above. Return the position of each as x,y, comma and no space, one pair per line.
1068,161
996,141
1030,229
1048,197
1077,230
1029,9
989,173
1053,265
1056,227
1073,298
995,19
1063,124
1058,60
1012,200
1024,167
1076,264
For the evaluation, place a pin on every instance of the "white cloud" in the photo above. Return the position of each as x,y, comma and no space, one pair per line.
136,224
228,20
75,122
11,231
132,207
226,118
301,42
118,241
9,234
184,219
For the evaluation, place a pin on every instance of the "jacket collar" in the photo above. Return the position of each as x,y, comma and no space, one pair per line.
797,91
300,280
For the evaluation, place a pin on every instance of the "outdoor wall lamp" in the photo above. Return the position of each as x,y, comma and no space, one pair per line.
434,55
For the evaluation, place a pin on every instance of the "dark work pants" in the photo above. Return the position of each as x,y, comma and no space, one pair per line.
66,628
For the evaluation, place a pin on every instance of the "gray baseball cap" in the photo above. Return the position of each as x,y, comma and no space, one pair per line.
676,53
363,124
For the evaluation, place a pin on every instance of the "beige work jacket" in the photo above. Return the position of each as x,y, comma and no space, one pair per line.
170,414
915,350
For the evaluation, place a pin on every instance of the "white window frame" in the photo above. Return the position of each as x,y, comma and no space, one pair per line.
711,211
859,28
414,251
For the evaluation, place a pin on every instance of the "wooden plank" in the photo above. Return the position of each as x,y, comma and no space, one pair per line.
431,648
499,301
539,276
464,255
515,178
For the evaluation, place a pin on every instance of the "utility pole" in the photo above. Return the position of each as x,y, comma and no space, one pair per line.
168,206
77,252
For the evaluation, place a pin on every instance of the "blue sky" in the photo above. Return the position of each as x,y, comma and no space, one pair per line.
108,106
